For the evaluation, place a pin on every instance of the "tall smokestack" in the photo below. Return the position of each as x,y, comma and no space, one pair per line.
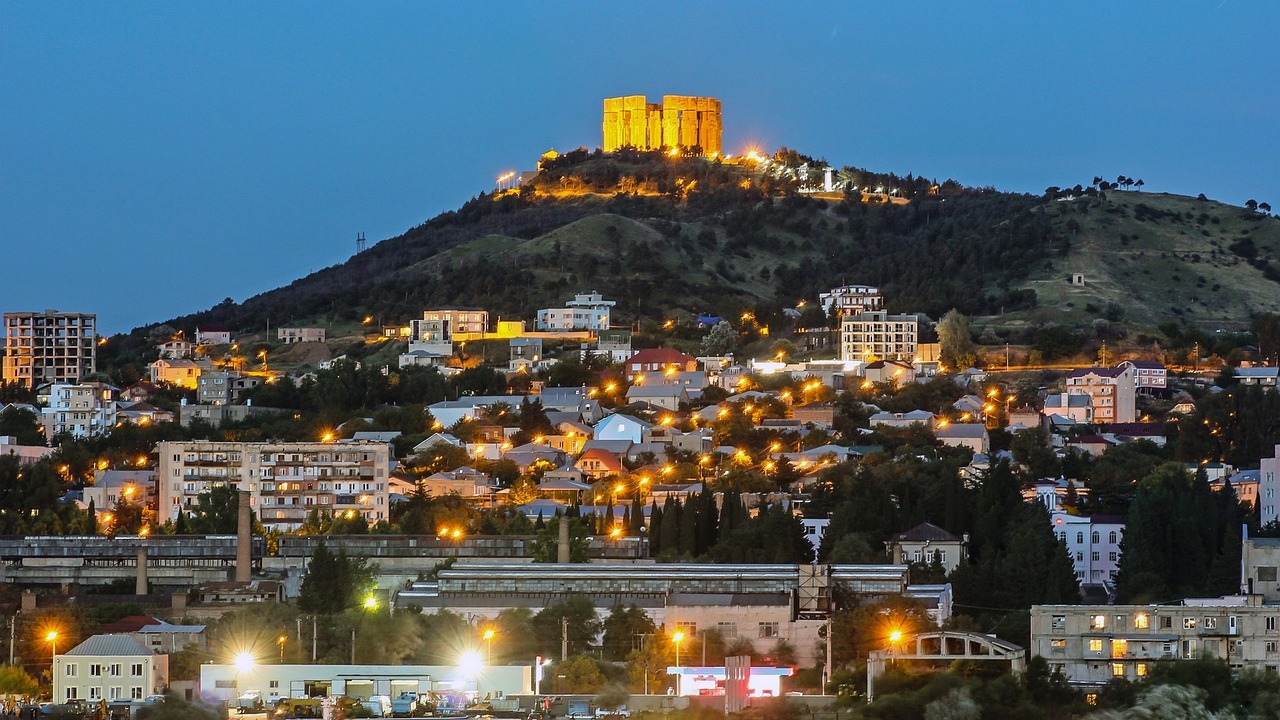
141,587
244,539
562,544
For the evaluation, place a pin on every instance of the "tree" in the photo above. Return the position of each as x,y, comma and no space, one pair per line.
544,548
334,583
958,350
1265,207
14,680
579,675
582,623
721,340
646,665
1251,205
1266,330
22,425
623,629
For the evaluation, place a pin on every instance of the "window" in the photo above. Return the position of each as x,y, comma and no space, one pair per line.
71,692
116,692
1113,556
1211,623
1059,622
95,693
135,692
1270,646
1271,623
1098,622
135,670
1111,538
1094,556
1117,669
1119,648
72,670
1166,622
1141,669
1079,538
1140,621
688,628
1189,623
1121,621
1058,643
273,684
95,670
1266,574
1094,537
1095,645
727,629
768,629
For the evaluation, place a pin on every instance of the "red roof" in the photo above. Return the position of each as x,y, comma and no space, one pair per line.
132,623
607,459
660,356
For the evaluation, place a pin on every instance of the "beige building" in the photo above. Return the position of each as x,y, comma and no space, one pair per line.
877,335
1093,644
850,300
440,325
680,121
49,347
1111,392
286,481
181,372
81,410
110,668
289,335
926,543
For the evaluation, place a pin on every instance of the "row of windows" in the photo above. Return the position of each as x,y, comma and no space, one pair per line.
1095,537
114,692
729,629
99,669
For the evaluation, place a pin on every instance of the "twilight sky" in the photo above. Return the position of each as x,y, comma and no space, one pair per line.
158,157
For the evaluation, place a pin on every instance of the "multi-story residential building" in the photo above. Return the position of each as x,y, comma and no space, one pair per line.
182,372
290,335
1259,562
877,335
586,311
926,543
212,335
1148,374
614,345
82,410
1092,540
1269,487
1111,392
49,347
286,481
224,388
439,325
1094,644
851,300
109,668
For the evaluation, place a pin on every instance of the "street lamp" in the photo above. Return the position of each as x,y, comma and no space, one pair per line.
52,639
676,638
280,641
488,638
370,603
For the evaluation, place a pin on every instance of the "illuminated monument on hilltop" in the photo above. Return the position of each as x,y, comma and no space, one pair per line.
680,121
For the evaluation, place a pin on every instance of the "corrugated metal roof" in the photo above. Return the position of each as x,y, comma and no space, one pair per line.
109,646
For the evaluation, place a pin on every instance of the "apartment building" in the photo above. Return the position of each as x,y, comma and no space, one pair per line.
1093,644
875,334
81,410
851,300
586,311
1092,540
49,347
109,668
1111,392
1269,487
1148,374
439,325
285,480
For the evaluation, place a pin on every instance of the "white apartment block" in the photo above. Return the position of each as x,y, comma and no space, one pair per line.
1148,374
1111,391
851,300
110,668
285,480
288,335
1092,540
49,347
1268,487
1093,644
441,324
875,334
82,410
586,311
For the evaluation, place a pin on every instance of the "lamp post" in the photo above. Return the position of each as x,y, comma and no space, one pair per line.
488,639
280,641
52,639
676,638
370,603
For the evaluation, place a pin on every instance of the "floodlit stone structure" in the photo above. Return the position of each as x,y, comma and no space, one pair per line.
680,121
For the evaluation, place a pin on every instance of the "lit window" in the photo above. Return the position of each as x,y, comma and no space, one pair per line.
1095,645
1141,669
1117,669
1098,622
1188,623
1140,621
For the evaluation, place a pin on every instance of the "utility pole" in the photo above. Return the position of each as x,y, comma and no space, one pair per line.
826,668
313,638
13,622
564,639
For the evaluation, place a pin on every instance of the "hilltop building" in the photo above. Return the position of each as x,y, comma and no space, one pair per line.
586,311
49,347
1111,392
875,334
850,300
680,121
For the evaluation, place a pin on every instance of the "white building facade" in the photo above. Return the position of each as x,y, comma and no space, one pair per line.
286,481
586,311
851,300
109,667
1111,392
1092,540
81,410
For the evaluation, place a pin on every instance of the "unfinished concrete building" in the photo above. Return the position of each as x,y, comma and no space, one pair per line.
681,121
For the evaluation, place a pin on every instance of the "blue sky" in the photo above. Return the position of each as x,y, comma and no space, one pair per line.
158,157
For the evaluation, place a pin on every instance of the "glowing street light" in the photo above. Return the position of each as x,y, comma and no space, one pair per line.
488,638
676,638
52,638
244,662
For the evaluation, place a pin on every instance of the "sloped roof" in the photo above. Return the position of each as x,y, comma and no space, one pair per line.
961,430
109,646
1099,371
660,356
128,624
926,532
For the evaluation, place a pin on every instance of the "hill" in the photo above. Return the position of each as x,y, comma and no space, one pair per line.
661,235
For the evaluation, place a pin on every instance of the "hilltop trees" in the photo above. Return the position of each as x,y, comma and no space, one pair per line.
958,349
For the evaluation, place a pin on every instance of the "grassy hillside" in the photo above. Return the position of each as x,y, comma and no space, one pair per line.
1159,258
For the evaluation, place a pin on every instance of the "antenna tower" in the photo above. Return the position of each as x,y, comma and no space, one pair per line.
360,243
